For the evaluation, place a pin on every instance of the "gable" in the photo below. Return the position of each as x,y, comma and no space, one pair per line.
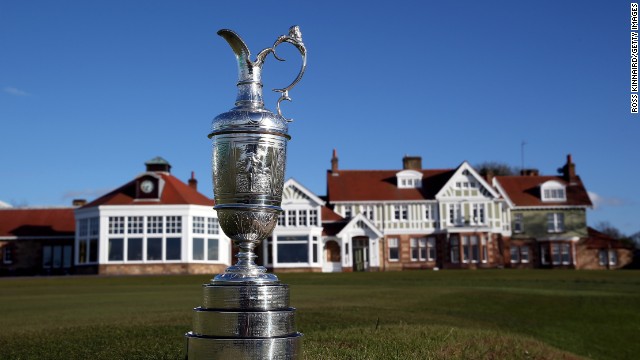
466,183
295,193
362,225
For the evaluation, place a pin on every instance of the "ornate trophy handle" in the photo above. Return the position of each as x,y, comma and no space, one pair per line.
294,38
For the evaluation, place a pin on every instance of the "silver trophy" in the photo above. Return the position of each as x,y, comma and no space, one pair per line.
245,312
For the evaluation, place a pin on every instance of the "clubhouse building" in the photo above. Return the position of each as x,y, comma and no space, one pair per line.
369,220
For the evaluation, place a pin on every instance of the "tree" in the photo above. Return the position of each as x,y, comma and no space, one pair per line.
607,228
496,168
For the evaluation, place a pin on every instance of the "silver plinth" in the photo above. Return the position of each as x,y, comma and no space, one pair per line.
245,312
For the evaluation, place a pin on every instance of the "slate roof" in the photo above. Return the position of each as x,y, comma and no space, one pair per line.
175,192
37,222
525,190
598,240
381,185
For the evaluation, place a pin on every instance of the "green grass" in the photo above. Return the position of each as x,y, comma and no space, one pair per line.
491,314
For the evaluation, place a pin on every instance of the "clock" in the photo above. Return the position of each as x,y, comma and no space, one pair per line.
146,186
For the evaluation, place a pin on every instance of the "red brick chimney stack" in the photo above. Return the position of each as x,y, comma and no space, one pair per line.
570,170
193,183
412,162
334,163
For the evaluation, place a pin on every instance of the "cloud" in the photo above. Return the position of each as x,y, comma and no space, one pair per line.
14,91
602,201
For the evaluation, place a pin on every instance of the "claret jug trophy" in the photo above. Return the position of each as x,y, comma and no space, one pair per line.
245,312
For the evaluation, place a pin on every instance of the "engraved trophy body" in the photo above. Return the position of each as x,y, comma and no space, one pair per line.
245,311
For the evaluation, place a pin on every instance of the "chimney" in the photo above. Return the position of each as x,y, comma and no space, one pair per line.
569,170
193,183
489,176
79,202
412,162
529,172
334,163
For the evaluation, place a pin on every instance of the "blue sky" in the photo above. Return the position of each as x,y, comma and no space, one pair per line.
91,90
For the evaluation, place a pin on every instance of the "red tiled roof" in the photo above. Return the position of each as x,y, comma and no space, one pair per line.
598,240
525,190
329,215
380,185
175,192
37,222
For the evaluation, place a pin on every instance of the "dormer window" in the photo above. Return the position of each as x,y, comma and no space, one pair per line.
409,179
553,191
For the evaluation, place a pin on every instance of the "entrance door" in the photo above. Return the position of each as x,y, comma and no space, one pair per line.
331,257
360,253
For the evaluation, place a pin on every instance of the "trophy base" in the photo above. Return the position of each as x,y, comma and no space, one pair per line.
244,321
284,348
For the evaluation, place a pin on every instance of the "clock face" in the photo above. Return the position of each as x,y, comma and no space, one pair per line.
146,186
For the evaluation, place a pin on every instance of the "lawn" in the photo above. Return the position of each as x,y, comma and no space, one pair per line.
492,314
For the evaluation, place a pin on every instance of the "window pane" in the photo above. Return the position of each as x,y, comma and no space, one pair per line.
82,252
515,254
154,249
212,249
134,249
66,256
293,253
116,249
613,257
314,251
213,226
555,249
93,250
602,255
198,224
198,249
173,248
57,257
524,253
46,257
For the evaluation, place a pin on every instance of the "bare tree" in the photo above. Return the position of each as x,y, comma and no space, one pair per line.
495,168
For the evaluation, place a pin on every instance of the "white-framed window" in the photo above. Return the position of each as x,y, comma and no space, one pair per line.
454,248
293,249
7,254
213,249
291,217
484,248
394,253
174,224
154,249
348,211
427,212
83,227
281,219
478,213
418,249
524,254
518,223
155,225
302,217
57,256
561,253
173,248
197,252
431,248
555,222
455,214
135,224
515,254
553,191
116,249
116,224
213,226
313,217
198,226
400,212
607,257
367,211
134,249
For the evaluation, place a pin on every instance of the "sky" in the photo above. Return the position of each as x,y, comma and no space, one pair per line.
90,90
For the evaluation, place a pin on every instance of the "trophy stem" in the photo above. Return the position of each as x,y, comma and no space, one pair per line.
245,270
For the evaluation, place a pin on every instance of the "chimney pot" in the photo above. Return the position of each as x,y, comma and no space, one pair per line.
193,183
79,202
